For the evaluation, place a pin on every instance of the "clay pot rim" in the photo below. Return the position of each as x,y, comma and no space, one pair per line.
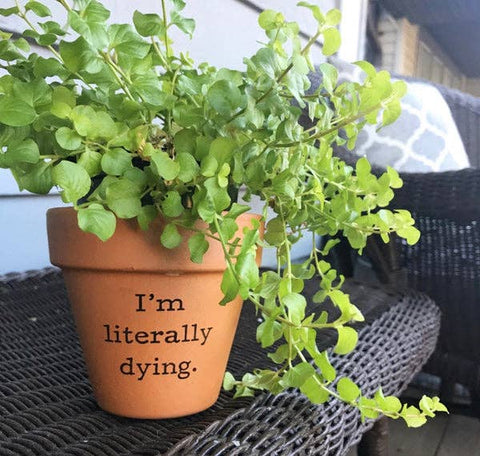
130,249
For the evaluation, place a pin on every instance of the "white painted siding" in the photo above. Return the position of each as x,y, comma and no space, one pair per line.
23,232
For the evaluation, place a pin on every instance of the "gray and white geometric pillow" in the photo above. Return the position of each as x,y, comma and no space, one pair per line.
424,138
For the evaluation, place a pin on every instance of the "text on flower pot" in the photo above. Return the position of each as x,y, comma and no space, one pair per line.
164,334
181,370
186,333
163,305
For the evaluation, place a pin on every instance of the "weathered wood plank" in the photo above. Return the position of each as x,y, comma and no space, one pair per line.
461,438
352,452
453,435
423,441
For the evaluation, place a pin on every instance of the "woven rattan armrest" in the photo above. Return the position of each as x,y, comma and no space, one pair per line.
445,199
47,408
453,195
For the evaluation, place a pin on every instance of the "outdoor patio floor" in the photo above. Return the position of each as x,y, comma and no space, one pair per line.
446,435
456,434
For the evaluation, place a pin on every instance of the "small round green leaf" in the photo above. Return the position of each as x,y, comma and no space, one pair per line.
170,237
333,17
38,8
331,42
269,19
5,12
198,246
164,165
225,97
189,167
25,152
148,24
47,39
36,178
146,215
97,220
22,44
172,204
116,161
73,179
83,118
314,392
186,25
123,198
15,113
348,390
347,340
61,110
228,381
95,12
68,139
90,160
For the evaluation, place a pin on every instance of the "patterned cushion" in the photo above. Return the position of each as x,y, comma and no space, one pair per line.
423,139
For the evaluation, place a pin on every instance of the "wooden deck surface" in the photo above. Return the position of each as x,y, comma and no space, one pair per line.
445,435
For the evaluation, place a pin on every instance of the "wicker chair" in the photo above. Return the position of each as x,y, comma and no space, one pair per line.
445,263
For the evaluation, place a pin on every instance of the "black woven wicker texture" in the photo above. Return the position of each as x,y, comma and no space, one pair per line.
47,407
446,266
466,112
446,261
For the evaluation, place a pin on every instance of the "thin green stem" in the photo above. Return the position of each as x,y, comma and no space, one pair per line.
85,204
120,70
286,242
315,256
95,144
108,60
197,230
164,12
160,54
365,230
169,115
335,126
224,248
340,186
65,5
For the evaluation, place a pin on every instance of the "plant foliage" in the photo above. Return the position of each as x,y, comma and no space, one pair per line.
115,106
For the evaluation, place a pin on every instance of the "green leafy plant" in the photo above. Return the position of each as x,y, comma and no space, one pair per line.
126,128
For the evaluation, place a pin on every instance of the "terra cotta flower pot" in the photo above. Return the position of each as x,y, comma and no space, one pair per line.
155,340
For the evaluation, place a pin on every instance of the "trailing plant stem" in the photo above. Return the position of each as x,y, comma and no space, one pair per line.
335,127
164,13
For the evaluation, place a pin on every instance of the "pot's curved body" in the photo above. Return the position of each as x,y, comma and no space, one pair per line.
154,338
